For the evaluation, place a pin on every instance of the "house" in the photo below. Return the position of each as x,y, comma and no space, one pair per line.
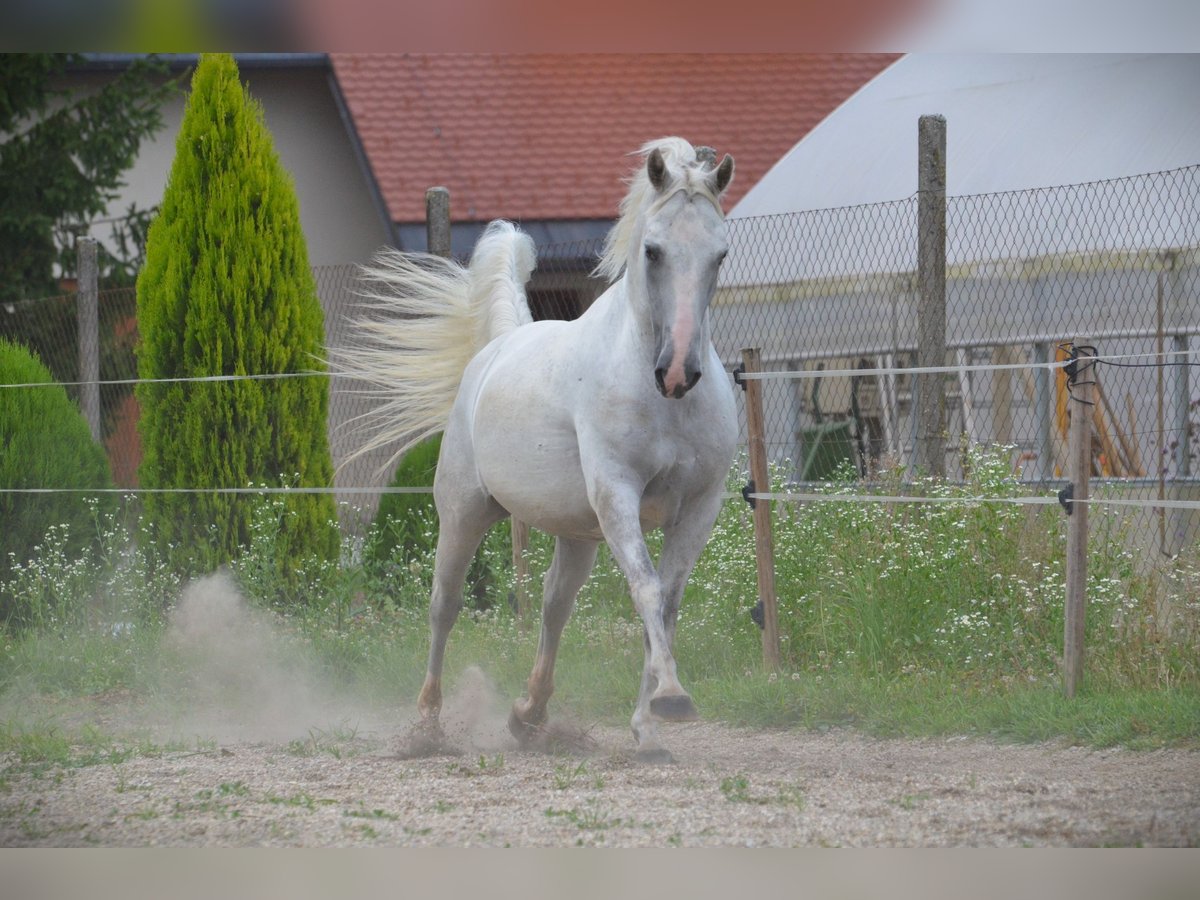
544,140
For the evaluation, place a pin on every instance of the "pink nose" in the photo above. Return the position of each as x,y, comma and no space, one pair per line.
676,387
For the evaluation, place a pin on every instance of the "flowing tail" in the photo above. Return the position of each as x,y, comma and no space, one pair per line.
426,319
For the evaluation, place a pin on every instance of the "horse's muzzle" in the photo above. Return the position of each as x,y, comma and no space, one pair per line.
680,388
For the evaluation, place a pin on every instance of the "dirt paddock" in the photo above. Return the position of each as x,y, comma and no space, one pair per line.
728,787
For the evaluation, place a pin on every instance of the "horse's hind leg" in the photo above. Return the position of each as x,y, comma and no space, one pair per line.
573,561
462,526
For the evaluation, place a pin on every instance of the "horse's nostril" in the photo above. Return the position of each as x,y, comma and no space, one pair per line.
692,381
659,376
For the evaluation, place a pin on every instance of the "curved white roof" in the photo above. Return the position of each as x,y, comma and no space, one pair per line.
1013,121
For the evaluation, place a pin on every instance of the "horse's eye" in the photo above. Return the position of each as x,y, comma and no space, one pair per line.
653,254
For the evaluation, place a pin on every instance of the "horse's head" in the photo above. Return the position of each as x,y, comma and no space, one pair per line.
673,257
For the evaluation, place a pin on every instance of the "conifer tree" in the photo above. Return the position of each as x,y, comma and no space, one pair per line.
226,289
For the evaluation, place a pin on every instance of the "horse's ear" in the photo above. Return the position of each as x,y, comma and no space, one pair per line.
724,173
656,168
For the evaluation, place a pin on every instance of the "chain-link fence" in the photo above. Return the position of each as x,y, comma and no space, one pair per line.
835,291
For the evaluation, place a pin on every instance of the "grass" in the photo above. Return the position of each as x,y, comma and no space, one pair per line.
736,789
591,816
907,621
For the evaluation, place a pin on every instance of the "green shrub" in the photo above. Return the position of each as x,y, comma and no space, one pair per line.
44,443
406,524
227,290
966,590
404,535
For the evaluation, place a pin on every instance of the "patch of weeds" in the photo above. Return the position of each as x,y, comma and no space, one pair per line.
321,741
44,749
301,799
495,764
364,813
38,833
208,800
40,747
21,810
443,806
589,817
233,789
791,795
485,766
565,775
736,789
122,784
911,801
145,814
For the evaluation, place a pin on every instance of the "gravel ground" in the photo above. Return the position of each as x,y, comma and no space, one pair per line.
271,758
729,787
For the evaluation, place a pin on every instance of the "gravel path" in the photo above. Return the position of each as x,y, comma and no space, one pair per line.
729,787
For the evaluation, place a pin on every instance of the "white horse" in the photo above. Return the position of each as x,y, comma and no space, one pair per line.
601,428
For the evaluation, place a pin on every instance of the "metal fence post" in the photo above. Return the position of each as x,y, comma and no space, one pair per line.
931,288
1080,453
1183,399
1043,409
87,315
764,541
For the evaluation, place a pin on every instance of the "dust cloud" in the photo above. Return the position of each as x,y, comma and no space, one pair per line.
475,715
227,672
231,673
235,675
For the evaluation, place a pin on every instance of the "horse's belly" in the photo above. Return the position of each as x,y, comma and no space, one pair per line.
539,481
560,506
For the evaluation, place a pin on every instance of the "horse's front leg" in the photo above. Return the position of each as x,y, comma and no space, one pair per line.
682,545
663,697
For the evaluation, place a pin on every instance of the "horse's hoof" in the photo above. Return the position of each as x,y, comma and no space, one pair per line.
674,708
426,738
654,756
525,732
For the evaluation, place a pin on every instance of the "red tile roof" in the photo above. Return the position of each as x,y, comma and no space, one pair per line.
545,136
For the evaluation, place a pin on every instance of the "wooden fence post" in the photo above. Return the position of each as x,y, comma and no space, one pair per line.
437,221
87,316
520,547
437,236
1080,454
931,287
764,541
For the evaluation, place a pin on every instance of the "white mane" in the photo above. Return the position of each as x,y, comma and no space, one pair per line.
685,168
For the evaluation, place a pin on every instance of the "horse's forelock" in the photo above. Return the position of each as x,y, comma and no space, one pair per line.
687,169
